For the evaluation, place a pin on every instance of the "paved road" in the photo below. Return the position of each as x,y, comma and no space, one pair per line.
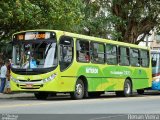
120,107
65,117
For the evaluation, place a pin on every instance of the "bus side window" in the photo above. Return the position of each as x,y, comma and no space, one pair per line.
97,52
66,52
83,51
111,54
124,56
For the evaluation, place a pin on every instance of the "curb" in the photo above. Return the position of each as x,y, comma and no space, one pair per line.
16,95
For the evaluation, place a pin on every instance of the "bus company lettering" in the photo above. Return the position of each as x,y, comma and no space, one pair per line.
92,70
120,72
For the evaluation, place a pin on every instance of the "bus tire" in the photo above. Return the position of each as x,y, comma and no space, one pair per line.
127,88
41,95
127,92
140,91
79,90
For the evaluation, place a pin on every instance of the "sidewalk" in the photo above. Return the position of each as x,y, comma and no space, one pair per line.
16,95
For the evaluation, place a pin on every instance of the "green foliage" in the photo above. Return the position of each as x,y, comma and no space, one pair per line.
132,18
18,15
122,20
60,15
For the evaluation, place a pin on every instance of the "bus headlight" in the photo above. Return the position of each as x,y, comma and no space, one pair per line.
14,79
49,78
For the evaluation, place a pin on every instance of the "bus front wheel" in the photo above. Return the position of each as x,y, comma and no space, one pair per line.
79,90
41,95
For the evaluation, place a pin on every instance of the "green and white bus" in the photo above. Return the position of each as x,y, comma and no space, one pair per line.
53,61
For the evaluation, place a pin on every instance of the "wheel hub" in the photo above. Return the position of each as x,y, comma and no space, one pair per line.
79,89
127,88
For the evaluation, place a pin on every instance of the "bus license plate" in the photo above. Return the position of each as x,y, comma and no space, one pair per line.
29,85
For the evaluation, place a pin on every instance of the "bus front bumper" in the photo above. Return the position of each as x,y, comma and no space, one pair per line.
33,86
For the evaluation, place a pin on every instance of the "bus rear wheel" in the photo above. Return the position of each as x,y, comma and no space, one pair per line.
127,92
41,95
79,90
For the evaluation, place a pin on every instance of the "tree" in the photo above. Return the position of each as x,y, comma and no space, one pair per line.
94,22
132,18
124,20
60,15
18,15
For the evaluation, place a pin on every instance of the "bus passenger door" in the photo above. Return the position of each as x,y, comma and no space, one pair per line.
66,52
67,80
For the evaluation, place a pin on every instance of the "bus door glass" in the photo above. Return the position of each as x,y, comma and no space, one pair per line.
66,52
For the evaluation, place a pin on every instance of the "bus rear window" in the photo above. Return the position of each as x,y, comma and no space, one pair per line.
134,57
144,58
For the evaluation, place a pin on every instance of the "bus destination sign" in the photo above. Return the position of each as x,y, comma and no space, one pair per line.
33,36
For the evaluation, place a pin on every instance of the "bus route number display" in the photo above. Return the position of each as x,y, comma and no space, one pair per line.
33,36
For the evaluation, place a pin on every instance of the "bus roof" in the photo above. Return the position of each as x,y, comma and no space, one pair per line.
75,35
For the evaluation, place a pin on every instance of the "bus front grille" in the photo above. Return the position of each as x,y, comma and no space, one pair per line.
30,80
30,87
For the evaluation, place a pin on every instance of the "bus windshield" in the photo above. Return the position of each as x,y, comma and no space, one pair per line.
155,59
34,54
155,64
